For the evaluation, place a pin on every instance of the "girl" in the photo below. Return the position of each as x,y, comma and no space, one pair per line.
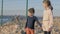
47,17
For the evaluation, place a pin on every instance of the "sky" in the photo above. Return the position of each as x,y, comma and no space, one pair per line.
18,7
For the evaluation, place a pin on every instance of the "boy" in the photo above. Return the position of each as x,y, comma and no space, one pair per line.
31,21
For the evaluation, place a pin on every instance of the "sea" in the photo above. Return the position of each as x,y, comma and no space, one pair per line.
6,19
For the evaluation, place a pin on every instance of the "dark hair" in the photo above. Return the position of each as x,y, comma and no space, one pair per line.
31,10
51,7
48,3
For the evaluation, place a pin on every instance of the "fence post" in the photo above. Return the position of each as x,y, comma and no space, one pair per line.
2,13
26,7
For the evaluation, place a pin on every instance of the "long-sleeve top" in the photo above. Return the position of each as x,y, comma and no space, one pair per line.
31,21
47,20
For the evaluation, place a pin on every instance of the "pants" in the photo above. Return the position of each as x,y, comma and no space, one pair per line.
45,32
29,31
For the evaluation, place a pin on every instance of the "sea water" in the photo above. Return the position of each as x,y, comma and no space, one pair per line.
5,19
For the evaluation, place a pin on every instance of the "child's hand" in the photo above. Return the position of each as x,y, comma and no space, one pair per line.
49,29
40,28
25,29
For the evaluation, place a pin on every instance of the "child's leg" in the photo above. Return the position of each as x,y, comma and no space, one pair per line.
45,32
28,31
32,31
49,32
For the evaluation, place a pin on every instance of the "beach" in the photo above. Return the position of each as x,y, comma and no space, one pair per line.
16,26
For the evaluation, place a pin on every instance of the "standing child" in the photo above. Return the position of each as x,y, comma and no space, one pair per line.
47,17
31,21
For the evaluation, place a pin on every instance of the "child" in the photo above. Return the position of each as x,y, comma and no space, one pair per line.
31,21
47,17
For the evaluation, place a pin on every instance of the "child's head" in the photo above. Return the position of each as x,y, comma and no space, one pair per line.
31,12
47,3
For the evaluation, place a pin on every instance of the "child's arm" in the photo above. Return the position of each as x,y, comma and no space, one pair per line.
40,24
51,19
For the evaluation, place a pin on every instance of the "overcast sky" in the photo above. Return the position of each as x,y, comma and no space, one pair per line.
17,7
